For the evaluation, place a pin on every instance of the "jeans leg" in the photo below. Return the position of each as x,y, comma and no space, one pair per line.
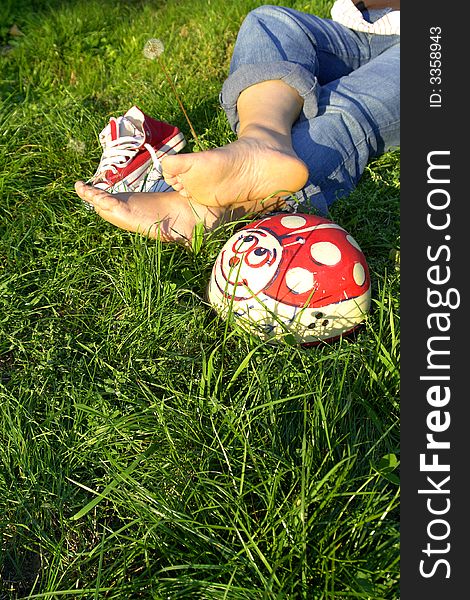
349,82
303,50
358,118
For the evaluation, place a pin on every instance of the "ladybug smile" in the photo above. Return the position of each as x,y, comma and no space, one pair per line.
233,261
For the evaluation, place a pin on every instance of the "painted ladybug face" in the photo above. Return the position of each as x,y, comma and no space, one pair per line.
298,274
247,264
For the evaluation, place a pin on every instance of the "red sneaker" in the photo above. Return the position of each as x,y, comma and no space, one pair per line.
132,146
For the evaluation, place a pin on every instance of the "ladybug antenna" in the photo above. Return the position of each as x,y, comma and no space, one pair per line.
298,240
311,228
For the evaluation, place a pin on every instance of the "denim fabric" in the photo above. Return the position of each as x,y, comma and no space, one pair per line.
350,84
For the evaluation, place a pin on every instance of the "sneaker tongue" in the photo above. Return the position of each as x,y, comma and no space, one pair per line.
122,127
127,127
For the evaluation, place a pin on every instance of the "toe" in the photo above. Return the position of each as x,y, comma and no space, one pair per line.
84,191
170,179
95,196
177,186
175,164
80,188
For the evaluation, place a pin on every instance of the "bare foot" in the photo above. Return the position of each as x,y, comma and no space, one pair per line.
260,164
167,216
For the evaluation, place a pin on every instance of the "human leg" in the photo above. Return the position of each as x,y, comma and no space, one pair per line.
301,49
350,83
259,164
330,172
282,58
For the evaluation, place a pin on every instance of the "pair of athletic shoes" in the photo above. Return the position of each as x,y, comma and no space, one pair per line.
133,146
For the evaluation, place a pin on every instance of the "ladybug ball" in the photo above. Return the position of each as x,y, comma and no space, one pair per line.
295,274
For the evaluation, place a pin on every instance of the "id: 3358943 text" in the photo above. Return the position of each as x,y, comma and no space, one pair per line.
435,67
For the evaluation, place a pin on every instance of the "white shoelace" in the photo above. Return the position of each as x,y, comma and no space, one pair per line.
120,152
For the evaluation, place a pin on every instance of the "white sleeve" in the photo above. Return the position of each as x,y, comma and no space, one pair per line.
346,13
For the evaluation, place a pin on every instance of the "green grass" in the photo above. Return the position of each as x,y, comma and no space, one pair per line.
147,450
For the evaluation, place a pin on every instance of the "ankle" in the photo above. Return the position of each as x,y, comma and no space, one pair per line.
267,134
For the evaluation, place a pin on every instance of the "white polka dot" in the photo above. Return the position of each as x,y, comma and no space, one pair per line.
325,253
329,226
293,221
353,242
299,280
359,274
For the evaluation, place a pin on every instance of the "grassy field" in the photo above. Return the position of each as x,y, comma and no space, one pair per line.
148,450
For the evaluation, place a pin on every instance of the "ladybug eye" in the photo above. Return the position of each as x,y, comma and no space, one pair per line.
245,244
258,257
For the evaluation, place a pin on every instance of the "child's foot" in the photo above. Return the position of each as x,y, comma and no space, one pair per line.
254,167
167,216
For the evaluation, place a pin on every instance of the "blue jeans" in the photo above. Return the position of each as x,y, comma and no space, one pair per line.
350,84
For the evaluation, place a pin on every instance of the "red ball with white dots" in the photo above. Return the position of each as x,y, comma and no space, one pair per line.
292,274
